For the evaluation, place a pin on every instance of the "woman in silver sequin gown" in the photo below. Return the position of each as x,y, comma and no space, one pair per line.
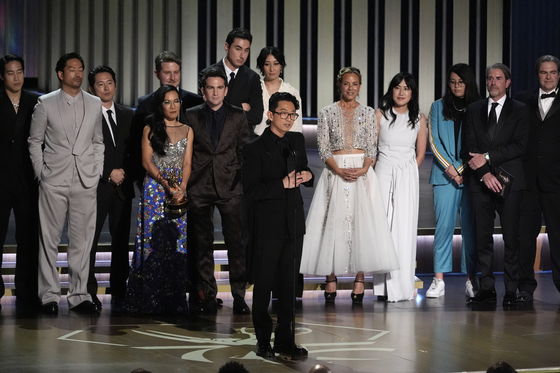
347,230
159,265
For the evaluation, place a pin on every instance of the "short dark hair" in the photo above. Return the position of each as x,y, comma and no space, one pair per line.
167,56
61,63
546,58
267,51
499,66
98,70
239,33
212,72
282,96
9,58
233,367
501,367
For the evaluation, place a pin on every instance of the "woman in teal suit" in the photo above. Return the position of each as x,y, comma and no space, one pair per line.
450,195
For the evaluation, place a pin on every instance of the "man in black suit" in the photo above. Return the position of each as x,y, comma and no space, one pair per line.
542,174
495,139
220,131
244,86
275,165
18,189
115,190
168,71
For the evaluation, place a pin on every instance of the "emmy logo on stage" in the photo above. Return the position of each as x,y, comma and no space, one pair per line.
176,202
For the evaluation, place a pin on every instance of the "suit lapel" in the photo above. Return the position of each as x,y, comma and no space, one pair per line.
534,104
553,108
202,134
506,111
484,119
69,128
272,151
229,130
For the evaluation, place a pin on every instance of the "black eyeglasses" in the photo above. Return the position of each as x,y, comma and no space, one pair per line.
285,115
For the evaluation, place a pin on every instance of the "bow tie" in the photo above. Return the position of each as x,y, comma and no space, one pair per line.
548,95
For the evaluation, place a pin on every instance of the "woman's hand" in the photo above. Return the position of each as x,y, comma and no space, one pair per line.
352,174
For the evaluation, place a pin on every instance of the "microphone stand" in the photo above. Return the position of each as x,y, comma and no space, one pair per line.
293,157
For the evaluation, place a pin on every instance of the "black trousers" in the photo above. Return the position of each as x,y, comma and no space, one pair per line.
485,205
535,204
200,238
24,203
276,270
118,211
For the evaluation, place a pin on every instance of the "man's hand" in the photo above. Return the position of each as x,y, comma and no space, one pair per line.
491,182
303,177
290,180
117,176
246,106
477,160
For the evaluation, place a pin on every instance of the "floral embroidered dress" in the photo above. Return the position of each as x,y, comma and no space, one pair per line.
158,275
347,229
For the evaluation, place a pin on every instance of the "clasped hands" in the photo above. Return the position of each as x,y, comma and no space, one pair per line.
351,174
293,180
117,176
478,160
454,175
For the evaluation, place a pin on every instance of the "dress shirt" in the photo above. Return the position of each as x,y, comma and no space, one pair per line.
229,71
74,109
499,108
106,116
220,119
545,103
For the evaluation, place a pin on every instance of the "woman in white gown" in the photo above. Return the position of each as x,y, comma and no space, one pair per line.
347,231
402,147
271,63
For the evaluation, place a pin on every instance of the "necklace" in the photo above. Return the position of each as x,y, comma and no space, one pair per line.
15,105
456,106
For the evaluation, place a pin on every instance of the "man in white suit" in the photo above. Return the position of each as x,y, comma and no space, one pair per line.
66,149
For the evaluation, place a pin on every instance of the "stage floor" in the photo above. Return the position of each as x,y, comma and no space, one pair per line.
422,335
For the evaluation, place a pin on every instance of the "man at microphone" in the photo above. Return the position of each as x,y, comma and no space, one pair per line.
275,165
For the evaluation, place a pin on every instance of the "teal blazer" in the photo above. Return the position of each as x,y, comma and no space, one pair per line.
442,142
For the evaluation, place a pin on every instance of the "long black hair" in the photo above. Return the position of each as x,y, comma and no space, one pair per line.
276,53
450,102
387,102
157,134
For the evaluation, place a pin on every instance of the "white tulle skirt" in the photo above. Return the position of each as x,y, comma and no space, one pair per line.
347,228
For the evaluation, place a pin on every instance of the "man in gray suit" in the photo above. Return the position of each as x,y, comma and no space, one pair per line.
66,149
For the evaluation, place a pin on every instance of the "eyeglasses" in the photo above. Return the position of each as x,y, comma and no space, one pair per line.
457,83
285,115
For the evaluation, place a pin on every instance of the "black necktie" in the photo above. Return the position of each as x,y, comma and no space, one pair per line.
231,80
548,95
215,133
492,120
113,126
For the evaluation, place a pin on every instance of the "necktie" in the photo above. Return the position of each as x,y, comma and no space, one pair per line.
231,80
548,95
492,120
113,126
214,135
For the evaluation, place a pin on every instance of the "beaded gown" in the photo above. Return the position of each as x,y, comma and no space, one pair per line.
347,230
397,171
158,275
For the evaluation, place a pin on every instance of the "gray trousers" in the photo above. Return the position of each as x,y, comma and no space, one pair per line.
56,203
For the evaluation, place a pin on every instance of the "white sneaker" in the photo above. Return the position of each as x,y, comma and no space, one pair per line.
437,289
469,291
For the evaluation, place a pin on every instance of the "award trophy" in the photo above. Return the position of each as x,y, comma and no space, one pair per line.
175,205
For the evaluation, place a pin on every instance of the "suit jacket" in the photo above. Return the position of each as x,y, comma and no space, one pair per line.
188,100
269,207
442,143
64,145
17,171
505,149
220,166
542,158
117,156
246,88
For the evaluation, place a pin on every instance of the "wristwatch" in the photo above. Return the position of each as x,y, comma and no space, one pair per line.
487,157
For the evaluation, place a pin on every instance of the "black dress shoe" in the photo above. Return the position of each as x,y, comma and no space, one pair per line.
265,351
240,307
208,308
86,307
382,298
287,350
50,308
97,303
509,298
483,296
524,296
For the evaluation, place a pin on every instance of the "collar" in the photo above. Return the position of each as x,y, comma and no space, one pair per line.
541,92
69,98
228,70
112,108
500,102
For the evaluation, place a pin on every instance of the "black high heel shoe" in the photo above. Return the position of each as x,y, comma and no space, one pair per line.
329,297
357,298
